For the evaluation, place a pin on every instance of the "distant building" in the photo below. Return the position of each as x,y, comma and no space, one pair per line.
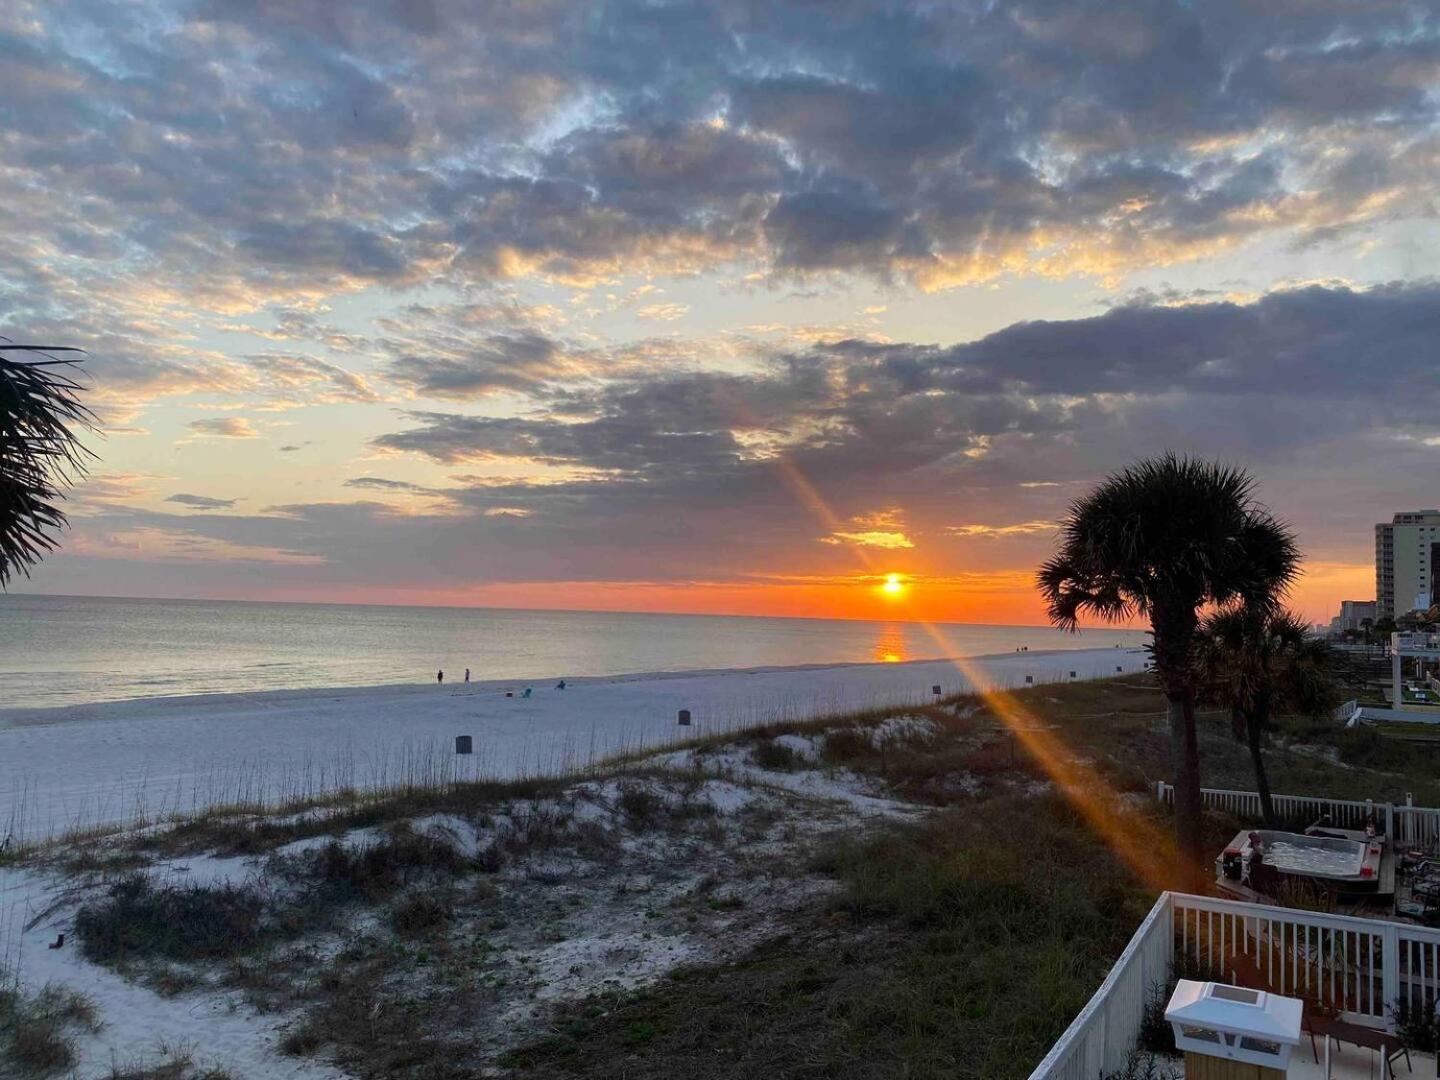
1407,559
1352,614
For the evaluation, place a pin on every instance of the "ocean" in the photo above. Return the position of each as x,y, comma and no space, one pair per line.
61,650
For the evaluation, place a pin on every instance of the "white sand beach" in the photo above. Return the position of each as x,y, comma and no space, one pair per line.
117,763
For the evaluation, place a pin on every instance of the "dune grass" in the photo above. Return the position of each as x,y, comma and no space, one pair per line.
943,953
37,1031
140,920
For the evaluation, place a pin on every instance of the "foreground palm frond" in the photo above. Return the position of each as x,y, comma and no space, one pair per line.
41,420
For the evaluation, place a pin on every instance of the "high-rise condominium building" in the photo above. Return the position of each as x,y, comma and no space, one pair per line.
1407,560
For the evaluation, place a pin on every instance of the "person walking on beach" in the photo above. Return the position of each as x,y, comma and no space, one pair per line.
440,676
467,674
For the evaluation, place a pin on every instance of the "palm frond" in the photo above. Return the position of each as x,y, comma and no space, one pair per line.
1168,532
41,453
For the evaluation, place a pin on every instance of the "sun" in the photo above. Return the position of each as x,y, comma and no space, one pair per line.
894,585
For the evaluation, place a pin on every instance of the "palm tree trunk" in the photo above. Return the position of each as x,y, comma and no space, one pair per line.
1173,639
1189,807
1255,723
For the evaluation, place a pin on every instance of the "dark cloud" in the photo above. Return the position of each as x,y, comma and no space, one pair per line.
314,151
468,366
685,474
201,502
928,426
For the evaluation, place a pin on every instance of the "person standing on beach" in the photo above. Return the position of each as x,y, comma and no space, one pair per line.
440,676
467,674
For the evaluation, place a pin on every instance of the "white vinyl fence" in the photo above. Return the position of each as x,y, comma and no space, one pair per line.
1409,826
1363,968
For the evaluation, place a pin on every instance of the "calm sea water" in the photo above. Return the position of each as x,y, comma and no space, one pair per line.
72,650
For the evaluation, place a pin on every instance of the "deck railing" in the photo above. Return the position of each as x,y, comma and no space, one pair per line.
1410,826
1362,968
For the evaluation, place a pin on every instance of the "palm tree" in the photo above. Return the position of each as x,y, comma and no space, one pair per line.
1256,662
1162,540
41,418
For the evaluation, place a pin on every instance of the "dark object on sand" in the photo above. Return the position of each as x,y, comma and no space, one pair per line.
59,942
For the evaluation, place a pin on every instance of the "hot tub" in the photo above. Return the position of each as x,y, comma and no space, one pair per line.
1349,862
1313,856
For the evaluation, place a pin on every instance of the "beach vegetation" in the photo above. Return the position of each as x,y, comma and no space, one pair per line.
774,756
37,1031
178,1063
640,804
421,913
940,953
138,918
339,873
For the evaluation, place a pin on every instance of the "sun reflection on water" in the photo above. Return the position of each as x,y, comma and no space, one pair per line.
890,645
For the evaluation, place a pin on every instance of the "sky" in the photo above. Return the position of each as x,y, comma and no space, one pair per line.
717,307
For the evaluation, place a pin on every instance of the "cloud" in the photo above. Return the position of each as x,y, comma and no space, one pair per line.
201,502
884,529
99,490
662,312
307,380
155,544
224,427
961,431
872,447
380,483
314,155
1023,528
466,366
873,538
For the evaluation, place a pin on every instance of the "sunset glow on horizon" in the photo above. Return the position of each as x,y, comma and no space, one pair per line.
709,312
